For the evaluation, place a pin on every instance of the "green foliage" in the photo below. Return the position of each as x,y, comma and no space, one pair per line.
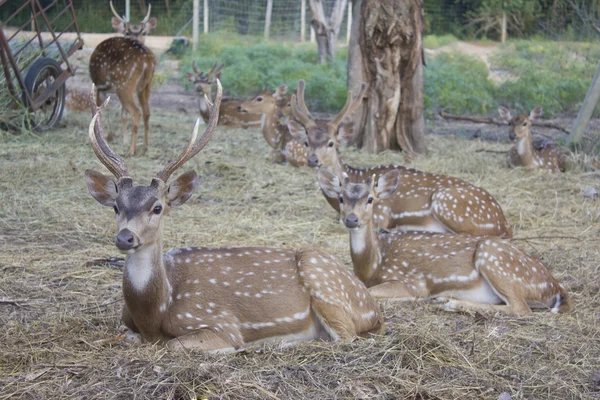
437,41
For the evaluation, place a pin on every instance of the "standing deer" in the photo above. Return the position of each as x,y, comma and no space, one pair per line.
124,65
231,116
528,153
474,273
421,202
218,299
274,107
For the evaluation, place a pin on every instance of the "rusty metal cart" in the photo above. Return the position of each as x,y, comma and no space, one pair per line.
34,53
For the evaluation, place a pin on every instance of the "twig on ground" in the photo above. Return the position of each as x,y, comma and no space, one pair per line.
485,120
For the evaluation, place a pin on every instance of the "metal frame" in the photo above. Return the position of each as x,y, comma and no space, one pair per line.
8,58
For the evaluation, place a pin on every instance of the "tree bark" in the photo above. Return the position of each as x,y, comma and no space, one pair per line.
391,49
326,28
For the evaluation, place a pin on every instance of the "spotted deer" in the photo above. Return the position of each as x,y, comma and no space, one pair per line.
421,202
125,66
218,299
469,272
528,153
275,106
231,115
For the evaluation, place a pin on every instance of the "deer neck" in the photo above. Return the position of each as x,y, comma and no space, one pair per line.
525,150
269,122
146,288
337,167
365,251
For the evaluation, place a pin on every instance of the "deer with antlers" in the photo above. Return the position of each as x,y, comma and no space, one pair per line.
125,66
470,272
275,106
528,153
421,202
218,299
231,115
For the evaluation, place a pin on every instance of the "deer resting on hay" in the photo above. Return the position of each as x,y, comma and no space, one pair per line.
218,299
421,201
470,272
124,65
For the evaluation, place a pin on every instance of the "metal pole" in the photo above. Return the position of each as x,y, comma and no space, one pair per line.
128,10
303,21
349,27
205,16
268,18
313,35
587,109
195,25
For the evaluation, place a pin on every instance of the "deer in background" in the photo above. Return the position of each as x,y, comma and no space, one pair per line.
528,153
471,272
124,65
218,299
275,106
421,202
231,116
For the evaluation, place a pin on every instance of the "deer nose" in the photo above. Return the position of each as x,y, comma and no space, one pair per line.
351,221
313,161
512,135
126,240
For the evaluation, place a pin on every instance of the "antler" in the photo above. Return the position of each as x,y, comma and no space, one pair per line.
113,162
351,105
299,109
212,74
196,70
194,147
147,14
115,13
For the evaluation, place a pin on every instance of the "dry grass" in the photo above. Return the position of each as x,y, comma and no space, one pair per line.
54,339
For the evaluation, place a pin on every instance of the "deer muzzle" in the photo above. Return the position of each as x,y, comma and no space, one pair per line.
313,161
351,221
126,240
512,135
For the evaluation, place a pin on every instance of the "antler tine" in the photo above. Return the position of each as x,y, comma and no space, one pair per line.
219,68
301,103
113,162
194,147
195,68
115,13
299,115
351,105
147,17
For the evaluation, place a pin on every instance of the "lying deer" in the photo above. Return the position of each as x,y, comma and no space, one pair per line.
274,106
421,202
218,299
474,273
124,65
231,116
527,152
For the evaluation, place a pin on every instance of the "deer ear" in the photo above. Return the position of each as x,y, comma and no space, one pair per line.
150,25
281,91
330,184
345,132
504,113
101,187
387,184
535,113
117,25
297,131
182,188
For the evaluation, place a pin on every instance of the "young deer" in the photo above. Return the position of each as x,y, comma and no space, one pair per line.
475,273
231,116
527,152
124,65
274,107
217,299
422,201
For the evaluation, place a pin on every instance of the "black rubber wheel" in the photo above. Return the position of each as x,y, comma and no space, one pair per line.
42,74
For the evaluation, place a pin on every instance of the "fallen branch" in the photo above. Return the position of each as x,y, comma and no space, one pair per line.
491,151
13,302
485,120
118,262
546,237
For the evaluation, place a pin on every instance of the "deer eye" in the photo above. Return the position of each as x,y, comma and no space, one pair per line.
306,144
116,209
341,199
370,200
331,144
525,123
157,210
259,99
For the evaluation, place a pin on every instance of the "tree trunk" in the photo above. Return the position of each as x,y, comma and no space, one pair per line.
326,28
391,49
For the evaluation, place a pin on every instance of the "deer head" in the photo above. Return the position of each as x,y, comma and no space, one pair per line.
521,124
133,31
322,137
356,199
265,101
202,82
140,210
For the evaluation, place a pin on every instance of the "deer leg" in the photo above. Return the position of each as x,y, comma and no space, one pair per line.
128,103
208,341
397,291
124,125
144,98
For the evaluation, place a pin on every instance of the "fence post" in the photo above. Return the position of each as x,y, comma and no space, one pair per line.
313,34
349,24
268,18
196,25
205,16
128,10
587,109
303,20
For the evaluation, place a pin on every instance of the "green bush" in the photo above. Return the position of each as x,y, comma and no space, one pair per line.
435,41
